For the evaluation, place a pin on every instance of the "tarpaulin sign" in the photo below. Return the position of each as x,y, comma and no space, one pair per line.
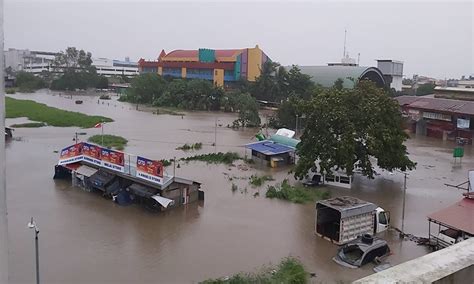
71,154
150,170
92,153
113,160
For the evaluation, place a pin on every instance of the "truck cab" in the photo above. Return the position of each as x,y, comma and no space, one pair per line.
382,220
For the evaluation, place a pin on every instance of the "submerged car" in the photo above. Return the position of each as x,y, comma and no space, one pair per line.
361,251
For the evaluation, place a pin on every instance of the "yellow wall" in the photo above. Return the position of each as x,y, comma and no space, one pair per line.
219,77
160,70
183,72
254,63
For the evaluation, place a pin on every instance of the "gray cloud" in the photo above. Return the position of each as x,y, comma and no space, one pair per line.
434,39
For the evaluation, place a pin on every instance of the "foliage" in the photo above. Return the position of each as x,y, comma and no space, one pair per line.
52,116
407,81
145,88
28,125
109,141
296,194
339,84
286,114
248,111
257,181
194,146
425,89
347,128
215,158
10,91
104,97
289,270
27,82
102,83
77,70
277,84
166,162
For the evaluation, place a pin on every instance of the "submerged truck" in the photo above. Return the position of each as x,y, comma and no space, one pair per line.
343,219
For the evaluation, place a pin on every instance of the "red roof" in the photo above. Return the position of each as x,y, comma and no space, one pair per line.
460,215
183,53
195,53
437,104
73,166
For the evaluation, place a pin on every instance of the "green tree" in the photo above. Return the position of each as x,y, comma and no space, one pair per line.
76,69
299,84
102,83
27,82
146,88
425,89
339,84
347,129
248,111
265,86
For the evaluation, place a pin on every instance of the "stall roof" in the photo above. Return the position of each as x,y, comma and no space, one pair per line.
165,202
86,171
460,215
269,148
142,190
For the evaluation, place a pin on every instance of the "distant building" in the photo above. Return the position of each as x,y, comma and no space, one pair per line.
457,93
109,67
222,66
30,61
37,62
392,71
327,75
439,118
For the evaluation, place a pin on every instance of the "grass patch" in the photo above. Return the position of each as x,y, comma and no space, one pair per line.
28,125
256,180
187,147
290,270
169,111
50,115
215,158
296,194
109,141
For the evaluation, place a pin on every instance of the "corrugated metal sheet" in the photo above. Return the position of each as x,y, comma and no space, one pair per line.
460,215
349,206
437,104
86,171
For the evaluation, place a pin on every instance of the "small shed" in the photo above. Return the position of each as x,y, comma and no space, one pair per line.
272,153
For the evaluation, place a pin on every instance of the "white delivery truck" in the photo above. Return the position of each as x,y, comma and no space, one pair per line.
343,219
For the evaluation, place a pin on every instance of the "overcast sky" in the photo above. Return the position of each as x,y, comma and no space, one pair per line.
432,38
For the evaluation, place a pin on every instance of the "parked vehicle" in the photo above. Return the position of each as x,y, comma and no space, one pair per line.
343,219
337,178
361,251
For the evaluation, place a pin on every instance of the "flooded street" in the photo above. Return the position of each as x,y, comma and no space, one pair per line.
85,238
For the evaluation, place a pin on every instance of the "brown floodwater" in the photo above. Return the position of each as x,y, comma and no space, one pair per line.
87,239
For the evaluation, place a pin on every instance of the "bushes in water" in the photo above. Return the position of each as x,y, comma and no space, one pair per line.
256,180
290,270
296,194
194,146
215,158
109,141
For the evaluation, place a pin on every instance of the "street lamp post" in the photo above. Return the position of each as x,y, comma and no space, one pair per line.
32,225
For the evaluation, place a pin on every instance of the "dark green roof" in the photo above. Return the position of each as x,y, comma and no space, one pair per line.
327,75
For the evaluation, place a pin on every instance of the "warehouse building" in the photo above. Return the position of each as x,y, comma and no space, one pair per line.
222,66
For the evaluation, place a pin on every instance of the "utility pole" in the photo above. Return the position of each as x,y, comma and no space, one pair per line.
404,201
3,192
215,135
345,35
296,127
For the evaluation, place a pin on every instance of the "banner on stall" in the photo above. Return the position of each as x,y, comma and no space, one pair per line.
71,154
91,153
150,170
113,160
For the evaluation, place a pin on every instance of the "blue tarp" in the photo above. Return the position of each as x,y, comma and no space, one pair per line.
269,148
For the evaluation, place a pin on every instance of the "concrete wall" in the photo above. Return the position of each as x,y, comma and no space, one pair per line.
454,264
254,64
219,77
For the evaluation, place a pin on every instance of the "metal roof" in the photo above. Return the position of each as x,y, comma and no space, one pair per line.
269,148
437,104
86,171
348,205
460,216
327,75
